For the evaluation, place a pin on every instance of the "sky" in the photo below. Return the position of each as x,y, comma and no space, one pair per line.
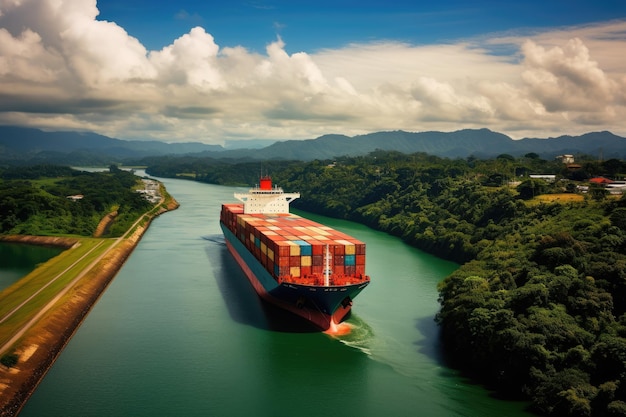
212,72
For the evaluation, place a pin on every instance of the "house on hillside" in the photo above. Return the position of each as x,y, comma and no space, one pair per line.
600,181
613,187
566,159
546,177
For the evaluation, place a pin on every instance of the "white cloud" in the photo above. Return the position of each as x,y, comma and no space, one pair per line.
190,60
61,68
566,78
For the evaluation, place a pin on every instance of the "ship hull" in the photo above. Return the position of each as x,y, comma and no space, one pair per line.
320,305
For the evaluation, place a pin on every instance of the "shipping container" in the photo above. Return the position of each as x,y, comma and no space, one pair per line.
289,246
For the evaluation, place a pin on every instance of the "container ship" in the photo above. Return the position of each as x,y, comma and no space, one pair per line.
294,263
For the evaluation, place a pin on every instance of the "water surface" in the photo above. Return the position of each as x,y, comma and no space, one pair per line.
19,259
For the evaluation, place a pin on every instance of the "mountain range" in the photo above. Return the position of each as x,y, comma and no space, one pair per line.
28,145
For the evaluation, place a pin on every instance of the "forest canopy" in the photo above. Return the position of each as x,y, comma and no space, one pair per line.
35,200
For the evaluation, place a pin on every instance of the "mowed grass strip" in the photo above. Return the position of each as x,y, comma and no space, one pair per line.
51,270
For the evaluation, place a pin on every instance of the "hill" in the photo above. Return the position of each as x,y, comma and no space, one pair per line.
482,143
19,143
74,148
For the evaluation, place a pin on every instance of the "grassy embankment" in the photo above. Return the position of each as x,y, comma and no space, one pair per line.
44,283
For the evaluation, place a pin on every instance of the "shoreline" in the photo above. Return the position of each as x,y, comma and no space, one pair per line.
45,340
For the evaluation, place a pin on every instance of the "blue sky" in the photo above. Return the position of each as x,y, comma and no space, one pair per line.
217,71
311,25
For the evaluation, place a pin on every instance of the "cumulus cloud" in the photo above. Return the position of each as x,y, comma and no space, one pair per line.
566,78
62,68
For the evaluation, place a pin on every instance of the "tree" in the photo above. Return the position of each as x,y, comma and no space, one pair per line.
9,360
531,188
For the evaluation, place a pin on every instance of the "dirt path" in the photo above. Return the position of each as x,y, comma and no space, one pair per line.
44,339
104,224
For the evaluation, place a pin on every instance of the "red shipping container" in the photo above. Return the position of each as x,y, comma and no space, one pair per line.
318,249
282,261
317,260
283,248
294,261
339,259
350,270
360,270
305,270
360,259
338,270
339,250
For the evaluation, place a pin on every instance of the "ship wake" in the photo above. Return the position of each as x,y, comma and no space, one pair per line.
359,336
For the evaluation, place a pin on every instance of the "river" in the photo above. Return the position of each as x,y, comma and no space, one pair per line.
180,332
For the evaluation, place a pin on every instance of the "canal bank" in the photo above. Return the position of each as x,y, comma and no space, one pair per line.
46,335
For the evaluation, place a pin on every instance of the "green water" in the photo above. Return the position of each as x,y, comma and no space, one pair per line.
180,332
17,260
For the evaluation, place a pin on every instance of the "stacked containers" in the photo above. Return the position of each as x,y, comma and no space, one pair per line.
291,247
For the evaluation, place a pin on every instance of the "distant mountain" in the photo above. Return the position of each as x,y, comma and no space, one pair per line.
75,148
481,143
28,143
248,143
604,145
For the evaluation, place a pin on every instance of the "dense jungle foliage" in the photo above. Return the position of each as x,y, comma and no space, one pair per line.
33,200
538,308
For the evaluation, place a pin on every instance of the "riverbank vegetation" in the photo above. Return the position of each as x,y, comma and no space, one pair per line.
55,200
537,309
